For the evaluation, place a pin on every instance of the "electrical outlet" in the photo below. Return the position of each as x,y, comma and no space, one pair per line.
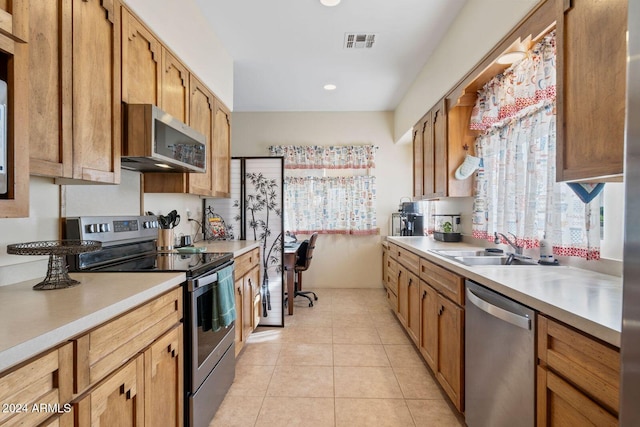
189,215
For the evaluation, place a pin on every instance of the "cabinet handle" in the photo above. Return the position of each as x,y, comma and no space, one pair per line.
441,310
424,294
128,394
410,281
239,291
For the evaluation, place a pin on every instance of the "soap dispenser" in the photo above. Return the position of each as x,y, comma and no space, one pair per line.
546,251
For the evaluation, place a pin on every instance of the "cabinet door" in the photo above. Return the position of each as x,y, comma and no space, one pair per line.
141,56
413,313
221,151
418,179
163,381
247,305
403,294
254,298
439,117
202,104
429,327
239,291
14,67
591,105
96,107
50,126
562,405
117,401
174,87
450,358
428,165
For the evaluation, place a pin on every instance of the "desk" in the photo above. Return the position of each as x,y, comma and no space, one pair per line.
290,250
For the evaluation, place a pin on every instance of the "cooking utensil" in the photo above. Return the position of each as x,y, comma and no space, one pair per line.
173,219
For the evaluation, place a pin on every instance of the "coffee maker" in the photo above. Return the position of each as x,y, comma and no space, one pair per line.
408,221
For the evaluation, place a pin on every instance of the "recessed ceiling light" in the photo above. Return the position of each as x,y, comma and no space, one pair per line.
330,86
330,3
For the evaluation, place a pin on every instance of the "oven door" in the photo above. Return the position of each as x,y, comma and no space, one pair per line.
205,345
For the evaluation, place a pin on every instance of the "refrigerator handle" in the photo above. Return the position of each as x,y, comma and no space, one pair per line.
495,311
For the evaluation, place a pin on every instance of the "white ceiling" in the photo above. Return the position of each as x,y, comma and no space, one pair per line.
285,51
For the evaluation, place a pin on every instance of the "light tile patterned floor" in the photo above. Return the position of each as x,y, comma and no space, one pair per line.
344,362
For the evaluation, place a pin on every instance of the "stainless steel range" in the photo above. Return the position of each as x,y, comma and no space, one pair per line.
129,245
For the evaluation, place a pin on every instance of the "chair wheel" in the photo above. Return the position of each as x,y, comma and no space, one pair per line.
310,304
315,298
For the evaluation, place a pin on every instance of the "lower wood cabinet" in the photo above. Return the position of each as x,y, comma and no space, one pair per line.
116,401
47,379
430,305
577,378
125,372
248,297
164,380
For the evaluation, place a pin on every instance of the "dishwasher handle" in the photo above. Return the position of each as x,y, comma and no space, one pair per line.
523,322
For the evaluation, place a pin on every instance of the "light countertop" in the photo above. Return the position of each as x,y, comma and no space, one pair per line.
238,247
34,321
586,300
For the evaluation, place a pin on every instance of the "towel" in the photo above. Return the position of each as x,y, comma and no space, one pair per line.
224,302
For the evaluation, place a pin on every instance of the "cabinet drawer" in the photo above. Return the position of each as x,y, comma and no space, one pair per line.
561,404
47,379
246,261
409,260
444,281
393,251
392,299
107,347
591,366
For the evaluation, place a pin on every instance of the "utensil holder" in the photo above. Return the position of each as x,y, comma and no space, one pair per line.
165,239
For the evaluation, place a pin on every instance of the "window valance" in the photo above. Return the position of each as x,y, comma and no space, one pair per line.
326,157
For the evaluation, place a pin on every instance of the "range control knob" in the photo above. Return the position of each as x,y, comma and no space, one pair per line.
92,228
104,228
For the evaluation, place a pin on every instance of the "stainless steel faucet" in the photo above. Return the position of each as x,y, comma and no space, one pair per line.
515,247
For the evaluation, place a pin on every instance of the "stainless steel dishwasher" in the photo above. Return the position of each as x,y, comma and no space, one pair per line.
499,360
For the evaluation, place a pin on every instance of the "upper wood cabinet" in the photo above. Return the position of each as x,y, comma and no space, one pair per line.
174,87
50,62
141,62
440,144
75,94
14,66
591,83
221,151
152,74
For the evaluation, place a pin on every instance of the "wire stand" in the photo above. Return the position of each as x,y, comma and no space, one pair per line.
57,272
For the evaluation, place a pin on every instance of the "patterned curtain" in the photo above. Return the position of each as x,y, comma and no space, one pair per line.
343,204
330,205
516,190
332,157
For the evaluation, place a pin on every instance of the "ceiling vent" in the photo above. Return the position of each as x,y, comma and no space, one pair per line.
358,40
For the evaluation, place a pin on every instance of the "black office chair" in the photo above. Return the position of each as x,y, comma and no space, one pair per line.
304,254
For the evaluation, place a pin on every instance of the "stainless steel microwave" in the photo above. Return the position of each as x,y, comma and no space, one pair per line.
154,141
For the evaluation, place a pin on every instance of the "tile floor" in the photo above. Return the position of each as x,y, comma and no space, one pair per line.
344,362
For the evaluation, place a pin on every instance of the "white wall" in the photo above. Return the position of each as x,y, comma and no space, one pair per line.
339,260
478,28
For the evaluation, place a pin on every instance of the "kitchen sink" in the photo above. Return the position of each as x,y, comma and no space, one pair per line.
476,257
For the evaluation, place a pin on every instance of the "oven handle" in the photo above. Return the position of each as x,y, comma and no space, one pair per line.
206,280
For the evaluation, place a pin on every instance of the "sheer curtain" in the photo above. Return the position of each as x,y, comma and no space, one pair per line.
516,190
344,203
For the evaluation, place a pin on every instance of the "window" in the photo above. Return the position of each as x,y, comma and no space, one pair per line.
330,189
